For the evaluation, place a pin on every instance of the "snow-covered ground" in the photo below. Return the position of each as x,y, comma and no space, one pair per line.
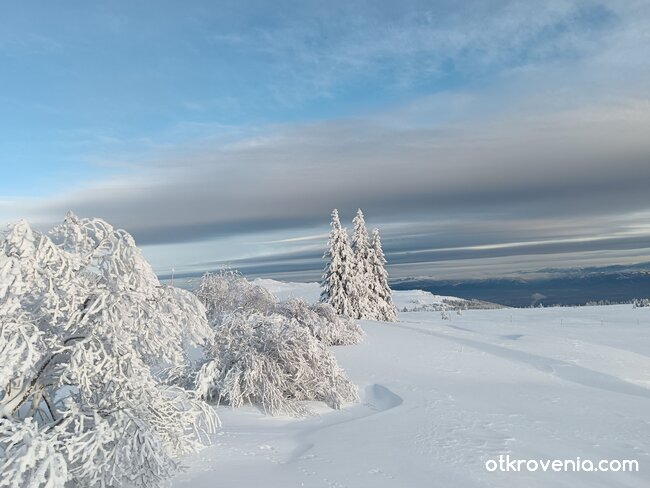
441,397
403,299
284,290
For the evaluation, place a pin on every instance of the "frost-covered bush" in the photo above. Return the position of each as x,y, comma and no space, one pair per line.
31,456
228,291
84,326
268,353
273,362
322,321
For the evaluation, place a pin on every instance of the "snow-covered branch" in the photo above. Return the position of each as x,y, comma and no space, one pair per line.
84,325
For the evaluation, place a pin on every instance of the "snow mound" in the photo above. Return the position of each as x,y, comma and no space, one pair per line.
381,398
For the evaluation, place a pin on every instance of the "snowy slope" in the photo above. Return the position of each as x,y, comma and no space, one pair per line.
403,299
439,398
283,290
424,301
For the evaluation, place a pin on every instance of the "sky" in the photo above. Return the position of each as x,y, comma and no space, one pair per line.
484,138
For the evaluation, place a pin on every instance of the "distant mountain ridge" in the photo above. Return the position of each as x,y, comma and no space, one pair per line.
576,286
547,286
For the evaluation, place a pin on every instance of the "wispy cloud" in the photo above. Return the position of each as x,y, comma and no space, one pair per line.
320,50
317,237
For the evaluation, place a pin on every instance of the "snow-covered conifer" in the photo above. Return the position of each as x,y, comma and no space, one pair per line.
380,293
357,286
85,326
338,285
362,300
444,312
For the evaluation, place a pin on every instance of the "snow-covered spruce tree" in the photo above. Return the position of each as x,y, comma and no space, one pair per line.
380,292
363,302
84,326
338,284
272,362
641,303
444,313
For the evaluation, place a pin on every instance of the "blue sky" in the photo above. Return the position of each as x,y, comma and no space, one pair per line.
482,137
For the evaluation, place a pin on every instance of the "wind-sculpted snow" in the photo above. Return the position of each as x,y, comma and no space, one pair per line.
381,398
562,369
439,398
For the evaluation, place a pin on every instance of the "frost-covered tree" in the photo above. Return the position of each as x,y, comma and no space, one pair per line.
380,293
272,362
444,313
322,321
361,297
268,353
86,329
357,286
227,291
338,284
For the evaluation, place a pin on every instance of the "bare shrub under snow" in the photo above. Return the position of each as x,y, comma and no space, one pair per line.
84,323
273,362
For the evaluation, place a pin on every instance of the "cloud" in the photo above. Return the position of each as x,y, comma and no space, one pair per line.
573,165
408,254
542,137
318,51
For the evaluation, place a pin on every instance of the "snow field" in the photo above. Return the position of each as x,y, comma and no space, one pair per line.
440,398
